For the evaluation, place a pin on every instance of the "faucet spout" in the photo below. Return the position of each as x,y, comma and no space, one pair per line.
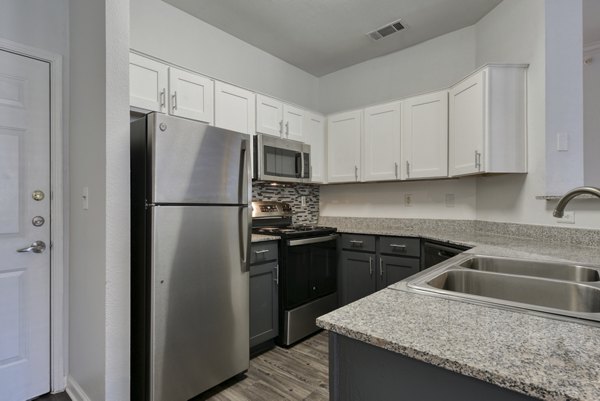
562,203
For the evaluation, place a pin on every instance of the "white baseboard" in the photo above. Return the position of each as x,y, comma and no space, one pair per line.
75,391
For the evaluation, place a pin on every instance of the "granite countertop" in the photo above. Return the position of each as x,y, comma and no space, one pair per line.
263,238
538,356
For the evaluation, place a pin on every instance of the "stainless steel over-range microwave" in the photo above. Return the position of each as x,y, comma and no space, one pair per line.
281,160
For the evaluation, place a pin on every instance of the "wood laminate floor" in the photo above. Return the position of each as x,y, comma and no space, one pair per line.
300,373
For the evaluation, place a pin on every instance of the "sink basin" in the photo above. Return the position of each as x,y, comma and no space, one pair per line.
552,270
565,291
573,297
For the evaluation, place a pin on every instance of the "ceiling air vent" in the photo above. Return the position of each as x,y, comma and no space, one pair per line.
386,30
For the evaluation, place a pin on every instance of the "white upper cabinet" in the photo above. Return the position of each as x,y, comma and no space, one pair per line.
269,116
191,96
234,108
425,136
293,125
273,117
343,146
148,80
381,142
316,138
487,132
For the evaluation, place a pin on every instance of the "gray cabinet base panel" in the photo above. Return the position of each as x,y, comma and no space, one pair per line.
361,372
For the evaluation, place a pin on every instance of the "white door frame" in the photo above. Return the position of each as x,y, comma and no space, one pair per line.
58,229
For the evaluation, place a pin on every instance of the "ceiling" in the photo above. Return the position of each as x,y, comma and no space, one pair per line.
591,21
323,36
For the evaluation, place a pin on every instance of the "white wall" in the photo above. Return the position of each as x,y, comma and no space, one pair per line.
387,199
429,66
99,160
164,31
87,272
591,117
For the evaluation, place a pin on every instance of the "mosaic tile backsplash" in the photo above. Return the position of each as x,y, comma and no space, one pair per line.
291,193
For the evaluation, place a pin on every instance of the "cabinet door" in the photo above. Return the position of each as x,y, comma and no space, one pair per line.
392,269
314,129
269,116
343,147
147,83
263,302
467,107
234,108
191,96
357,275
425,136
381,142
293,123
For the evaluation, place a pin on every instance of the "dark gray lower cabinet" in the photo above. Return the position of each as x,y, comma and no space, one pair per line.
363,372
358,279
264,278
369,263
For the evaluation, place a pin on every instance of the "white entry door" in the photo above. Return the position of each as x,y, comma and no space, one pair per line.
24,227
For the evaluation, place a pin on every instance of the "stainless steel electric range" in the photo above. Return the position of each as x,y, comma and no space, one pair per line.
307,269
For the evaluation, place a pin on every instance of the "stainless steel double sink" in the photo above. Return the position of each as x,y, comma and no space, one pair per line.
562,290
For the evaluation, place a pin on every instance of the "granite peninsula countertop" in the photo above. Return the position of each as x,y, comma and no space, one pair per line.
263,238
542,357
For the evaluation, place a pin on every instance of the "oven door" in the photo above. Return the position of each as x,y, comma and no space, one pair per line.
309,270
281,160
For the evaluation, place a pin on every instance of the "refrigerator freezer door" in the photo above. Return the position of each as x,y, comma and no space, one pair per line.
199,297
195,163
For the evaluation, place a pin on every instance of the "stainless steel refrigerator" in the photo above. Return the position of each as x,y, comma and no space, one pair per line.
191,222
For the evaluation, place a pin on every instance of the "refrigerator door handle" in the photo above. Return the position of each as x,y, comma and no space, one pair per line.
245,236
244,174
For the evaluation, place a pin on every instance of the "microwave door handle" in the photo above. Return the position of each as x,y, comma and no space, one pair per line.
302,164
299,165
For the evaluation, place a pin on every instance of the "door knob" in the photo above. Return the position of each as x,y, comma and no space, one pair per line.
36,247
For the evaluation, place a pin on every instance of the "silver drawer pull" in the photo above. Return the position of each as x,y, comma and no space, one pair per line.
261,251
398,246
356,242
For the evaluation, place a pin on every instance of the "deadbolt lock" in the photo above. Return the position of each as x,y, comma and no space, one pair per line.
38,221
38,195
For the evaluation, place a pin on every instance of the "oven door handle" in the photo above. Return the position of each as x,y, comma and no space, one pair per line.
315,240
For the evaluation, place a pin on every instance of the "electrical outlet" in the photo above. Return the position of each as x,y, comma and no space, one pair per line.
303,201
568,218
408,200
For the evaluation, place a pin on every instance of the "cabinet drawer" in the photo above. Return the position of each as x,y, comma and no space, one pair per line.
400,246
356,242
262,252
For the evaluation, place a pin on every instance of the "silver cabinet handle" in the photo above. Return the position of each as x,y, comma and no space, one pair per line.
281,127
396,169
356,242
261,251
35,247
287,128
371,266
356,173
381,267
174,99
407,169
478,160
276,275
400,247
163,98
